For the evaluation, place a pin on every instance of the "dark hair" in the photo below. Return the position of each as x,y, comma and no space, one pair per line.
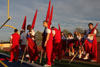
52,27
90,24
70,34
28,25
45,21
15,30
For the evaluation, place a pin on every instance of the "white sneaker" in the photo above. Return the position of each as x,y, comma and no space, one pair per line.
47,65
27,55
85,58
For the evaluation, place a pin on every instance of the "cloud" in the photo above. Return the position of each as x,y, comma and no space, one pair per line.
69,13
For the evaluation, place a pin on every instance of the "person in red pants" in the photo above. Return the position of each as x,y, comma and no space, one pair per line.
32,47
15,37
91,44
57,46
48,43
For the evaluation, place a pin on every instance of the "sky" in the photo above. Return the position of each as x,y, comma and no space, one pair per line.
70,14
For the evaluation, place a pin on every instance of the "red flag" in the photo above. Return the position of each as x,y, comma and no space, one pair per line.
51,16
59,27
48,11
24,24
94,28
94,44
34,19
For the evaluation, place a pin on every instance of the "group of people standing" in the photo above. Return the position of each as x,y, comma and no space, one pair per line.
83,43
54,43
25,41
51,43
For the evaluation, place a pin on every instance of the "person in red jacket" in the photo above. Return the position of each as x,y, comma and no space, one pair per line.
91,44
15,37
57,47
48,43
32,47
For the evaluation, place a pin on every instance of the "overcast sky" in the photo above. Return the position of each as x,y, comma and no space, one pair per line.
69,13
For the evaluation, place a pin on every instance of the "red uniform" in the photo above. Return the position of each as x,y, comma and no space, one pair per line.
91,46
57,44
94,48
15,46
32,48
70,42
78,42
49,45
